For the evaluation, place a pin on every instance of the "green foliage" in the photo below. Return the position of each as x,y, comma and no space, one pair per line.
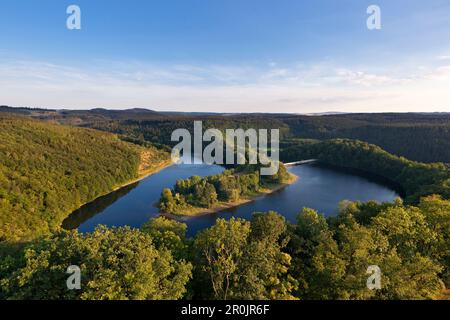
281,176
237,259
47,171
115,264
229,186
331,257
265,258
205,194
219,251
416,179
266,264
437,216
168,234
420,137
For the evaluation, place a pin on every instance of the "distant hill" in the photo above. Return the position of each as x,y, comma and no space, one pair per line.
422,137
28,111
48,170
329,113
413,180
122,114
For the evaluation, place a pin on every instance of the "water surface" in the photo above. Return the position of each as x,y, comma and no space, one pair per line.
318,187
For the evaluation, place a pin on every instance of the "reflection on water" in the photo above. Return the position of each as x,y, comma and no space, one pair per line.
93,208
135,204
318,187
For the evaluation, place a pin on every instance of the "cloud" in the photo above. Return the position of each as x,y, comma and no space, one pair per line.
441,73
224,88
444,57
363,78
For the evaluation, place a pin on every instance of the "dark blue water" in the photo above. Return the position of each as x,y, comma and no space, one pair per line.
318,187
134,204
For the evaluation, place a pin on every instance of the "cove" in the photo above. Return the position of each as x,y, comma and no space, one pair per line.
318,187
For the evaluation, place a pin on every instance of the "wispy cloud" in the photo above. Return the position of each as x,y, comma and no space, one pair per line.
224,88
444,57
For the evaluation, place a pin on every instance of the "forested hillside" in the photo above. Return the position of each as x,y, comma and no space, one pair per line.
423,137
264,258
416,179
420,137
160,130
47,171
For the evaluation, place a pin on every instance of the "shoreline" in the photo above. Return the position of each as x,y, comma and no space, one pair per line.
163,165
144,174
225,206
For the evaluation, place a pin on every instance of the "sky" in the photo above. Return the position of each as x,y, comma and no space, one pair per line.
288,56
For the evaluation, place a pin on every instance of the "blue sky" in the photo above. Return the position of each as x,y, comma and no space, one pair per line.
227,55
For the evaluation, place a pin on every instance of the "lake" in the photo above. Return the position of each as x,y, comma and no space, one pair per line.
318,187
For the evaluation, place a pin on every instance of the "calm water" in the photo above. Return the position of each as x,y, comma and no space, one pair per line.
319,187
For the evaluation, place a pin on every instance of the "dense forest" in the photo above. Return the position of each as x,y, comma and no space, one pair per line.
232,185
47,171
423,137
416,137
265,258
416,179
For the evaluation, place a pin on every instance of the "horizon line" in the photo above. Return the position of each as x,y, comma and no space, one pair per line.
219,113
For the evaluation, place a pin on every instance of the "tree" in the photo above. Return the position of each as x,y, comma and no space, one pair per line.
316,263
115,264
331,259
406,229
205,194
48,171
219,251
168,234
437,214
167,202
227,188
240,260
265,266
